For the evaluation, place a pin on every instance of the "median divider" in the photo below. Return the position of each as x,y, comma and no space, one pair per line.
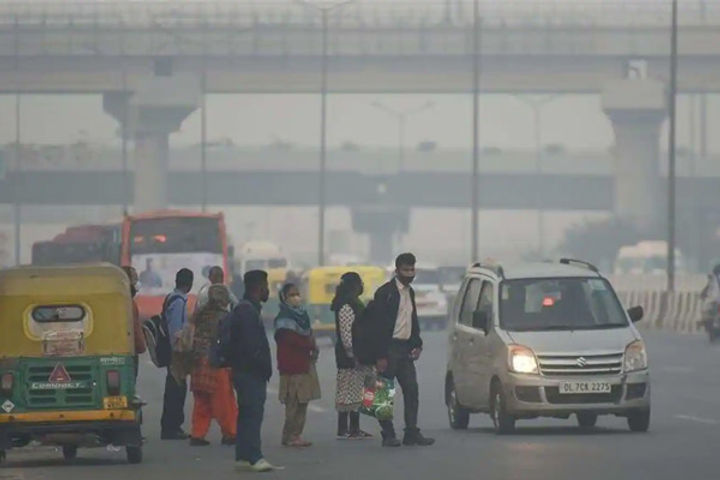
673,312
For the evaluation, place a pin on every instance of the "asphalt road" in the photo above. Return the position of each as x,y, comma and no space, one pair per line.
683,441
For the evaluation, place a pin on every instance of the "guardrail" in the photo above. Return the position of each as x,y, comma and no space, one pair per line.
674,312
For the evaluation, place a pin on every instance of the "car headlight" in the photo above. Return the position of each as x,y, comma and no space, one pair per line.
522,359
635,357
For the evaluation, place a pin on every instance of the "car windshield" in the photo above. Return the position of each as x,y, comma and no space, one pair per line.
560,304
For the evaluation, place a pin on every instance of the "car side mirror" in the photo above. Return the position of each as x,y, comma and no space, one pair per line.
636,313
480,320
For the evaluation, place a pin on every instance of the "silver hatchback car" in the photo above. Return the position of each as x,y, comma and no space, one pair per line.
544,340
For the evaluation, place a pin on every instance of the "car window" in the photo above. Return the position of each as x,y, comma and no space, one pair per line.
470,301
487,300
560,304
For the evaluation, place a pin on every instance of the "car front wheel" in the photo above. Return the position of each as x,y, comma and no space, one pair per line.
458,416
639,421
503,422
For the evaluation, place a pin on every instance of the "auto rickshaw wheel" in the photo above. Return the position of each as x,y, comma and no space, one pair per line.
134,454
69,452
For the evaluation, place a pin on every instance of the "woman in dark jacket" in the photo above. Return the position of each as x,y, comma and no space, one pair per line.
351,376
296,355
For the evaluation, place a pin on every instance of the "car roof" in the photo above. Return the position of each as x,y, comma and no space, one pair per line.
519,271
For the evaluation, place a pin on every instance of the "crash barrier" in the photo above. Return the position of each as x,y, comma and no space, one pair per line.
669,311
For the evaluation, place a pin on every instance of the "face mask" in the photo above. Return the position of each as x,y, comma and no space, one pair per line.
406,280
294,301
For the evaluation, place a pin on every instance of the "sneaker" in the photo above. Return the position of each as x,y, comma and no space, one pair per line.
198,442
417,438
263,465
178,435
391,442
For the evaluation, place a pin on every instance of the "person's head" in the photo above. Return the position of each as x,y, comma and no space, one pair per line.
184,280
290,295
216,275
218,296
132,277
256,285
405,268
347,291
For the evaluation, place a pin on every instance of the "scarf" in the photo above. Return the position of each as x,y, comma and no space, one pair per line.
293,318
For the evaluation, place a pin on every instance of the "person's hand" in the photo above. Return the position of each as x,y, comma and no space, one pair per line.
381,365
415,353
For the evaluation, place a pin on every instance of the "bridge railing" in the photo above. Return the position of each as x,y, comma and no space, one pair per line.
577,27
368,14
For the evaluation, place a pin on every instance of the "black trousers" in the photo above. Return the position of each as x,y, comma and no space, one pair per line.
402,368
173,415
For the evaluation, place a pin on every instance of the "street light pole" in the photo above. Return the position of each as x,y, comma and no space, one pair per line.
671,150
324,11
17,186
401,116
475,190
536,104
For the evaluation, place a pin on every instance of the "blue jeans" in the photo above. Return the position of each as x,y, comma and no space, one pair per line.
251,395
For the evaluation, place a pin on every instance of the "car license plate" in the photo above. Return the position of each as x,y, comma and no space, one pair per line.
111,403
573,388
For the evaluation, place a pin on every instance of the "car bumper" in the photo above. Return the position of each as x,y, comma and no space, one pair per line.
538,396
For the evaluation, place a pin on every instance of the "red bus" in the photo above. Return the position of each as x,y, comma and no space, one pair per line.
80,244
158,244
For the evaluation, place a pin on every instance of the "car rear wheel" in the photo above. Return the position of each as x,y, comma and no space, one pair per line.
134,454
587,419
639,421
69,452
503,422
458,416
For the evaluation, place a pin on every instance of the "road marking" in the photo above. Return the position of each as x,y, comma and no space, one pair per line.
692,418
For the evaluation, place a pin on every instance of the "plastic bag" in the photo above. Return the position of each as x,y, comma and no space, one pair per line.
379,399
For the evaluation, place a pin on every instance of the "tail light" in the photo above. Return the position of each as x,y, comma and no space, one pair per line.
6,384
113,382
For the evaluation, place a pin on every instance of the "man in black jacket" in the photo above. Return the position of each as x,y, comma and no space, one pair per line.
399,345
252,369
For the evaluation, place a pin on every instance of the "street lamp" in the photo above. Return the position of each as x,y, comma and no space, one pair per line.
537,104
324,10
401,116
671,149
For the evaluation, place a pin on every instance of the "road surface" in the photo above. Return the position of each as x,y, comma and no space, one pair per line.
683,441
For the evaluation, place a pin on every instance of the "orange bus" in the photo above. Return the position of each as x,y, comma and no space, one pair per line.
158,244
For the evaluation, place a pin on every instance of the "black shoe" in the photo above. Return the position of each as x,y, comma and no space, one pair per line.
228,441
391,442
416,438
179,435
198,442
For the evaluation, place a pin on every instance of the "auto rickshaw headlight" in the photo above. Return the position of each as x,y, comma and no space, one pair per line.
113,382
6,384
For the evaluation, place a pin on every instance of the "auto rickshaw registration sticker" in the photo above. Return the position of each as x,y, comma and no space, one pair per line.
111,403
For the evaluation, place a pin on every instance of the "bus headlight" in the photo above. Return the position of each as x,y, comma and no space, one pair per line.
635,357
522,360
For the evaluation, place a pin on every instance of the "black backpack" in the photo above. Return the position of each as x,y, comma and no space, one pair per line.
157,335
364,331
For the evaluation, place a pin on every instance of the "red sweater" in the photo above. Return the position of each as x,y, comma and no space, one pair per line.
293,352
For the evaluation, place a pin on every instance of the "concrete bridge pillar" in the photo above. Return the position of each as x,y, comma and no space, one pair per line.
637,109
381,223
152,113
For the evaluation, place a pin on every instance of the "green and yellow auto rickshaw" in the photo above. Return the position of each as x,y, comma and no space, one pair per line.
66,360
318,287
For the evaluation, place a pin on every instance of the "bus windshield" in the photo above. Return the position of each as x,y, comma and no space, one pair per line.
175,235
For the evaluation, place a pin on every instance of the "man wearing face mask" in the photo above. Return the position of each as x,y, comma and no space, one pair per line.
399,346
